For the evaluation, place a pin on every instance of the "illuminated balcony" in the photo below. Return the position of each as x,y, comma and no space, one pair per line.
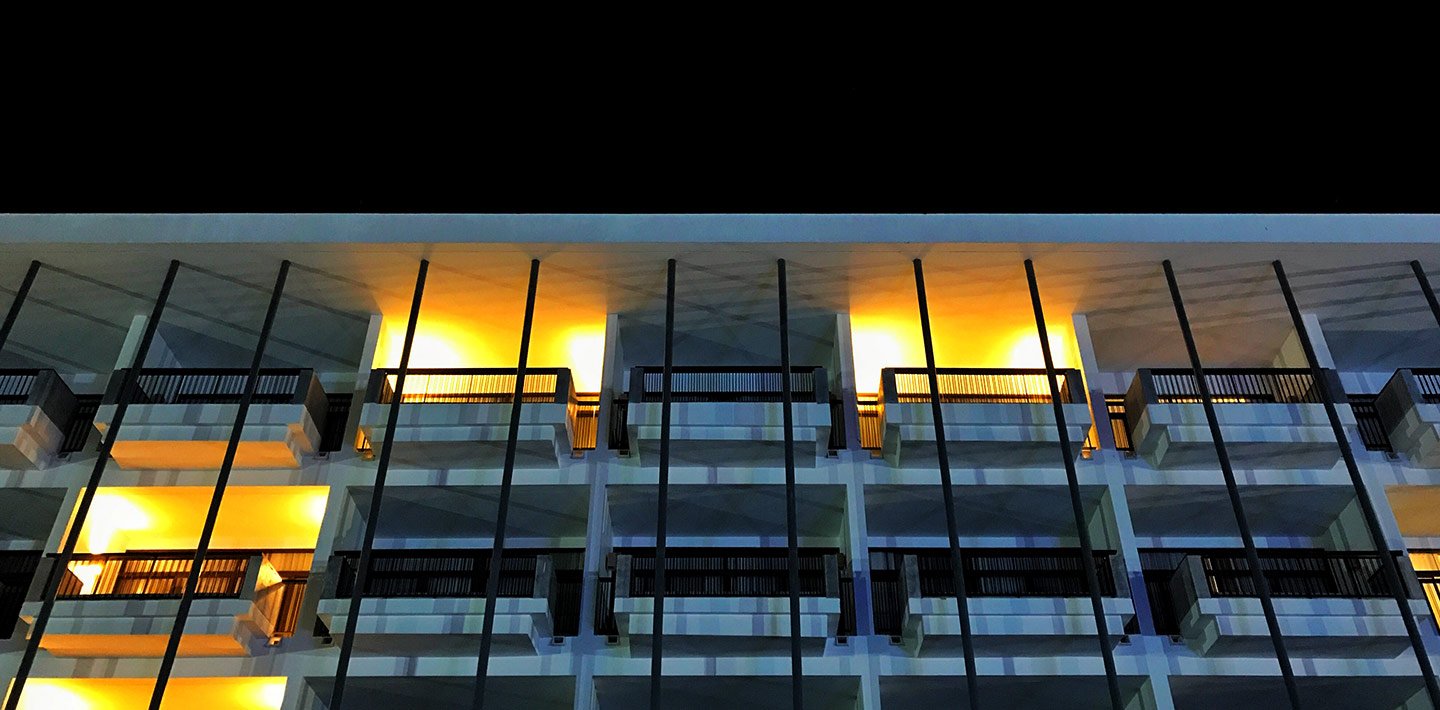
752,692
120,593
993,417
433,601
36,409
124,604
460,418
502,692
1270,418
182,418
221,693
1024,602
1329,604
724,601
726,416
1409,411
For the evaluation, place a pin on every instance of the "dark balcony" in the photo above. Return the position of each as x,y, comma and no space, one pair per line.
1329,603
728,416
431,600
449,418
16,571
726,600
36,410
1409,411
181,418
1022,601
1270,418
993,417
242,597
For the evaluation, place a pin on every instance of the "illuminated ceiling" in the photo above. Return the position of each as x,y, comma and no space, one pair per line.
171,518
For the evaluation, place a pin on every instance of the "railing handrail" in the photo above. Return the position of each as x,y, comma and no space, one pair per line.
379,389
168,384
808,383
471,370
722,369
980,385
1338,573
977,370
1231,370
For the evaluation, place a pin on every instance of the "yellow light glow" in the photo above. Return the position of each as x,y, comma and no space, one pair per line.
440,344
586,347
171,518
879,344
1026,351
266,693
87,573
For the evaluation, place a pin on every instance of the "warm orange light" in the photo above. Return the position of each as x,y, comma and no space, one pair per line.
267,693
1026,351
88,573
171,518
439,344
586,356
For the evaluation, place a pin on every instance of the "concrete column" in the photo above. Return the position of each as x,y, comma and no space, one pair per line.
1129,551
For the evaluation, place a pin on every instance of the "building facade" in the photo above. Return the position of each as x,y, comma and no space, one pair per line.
1104,536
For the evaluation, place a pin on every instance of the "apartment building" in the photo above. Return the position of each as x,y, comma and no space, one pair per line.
936,506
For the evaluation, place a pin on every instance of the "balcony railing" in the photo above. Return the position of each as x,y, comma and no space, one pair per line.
587,421
988,573
224,386
473,385
959,385
458,574
872,424
1367,417
619,430
39,388
1234,386
153,575
1298,573
16,571
1119,422
1429,584
1428,381
729,384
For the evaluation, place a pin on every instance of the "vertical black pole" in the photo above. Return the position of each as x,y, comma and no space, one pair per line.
19,301
362,568
787,397
72,539
1252,555
1372,520
657,652
497,551
252,383
957,560
1087,551
1419,276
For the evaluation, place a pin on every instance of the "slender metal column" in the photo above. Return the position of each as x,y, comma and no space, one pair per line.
957,560
1252,555
797,674
497,550
72,539
1372,520
352,616
192,581
1087,551
1414,265
19,301
657,652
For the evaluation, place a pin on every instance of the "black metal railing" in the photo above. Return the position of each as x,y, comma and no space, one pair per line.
1367,417
837,426
1237,386
587,421
452,574
41,388
872,425
194,385
337,418
16,571
727,572
153,575
729,384
82,423
619,431
887,600
1428,380
15,385
1429,586
1298,573
605,624
979,385
847,624
471,385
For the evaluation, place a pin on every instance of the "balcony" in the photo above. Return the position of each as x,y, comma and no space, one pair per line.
1023,602
993,417
1271,418
1329,604
16,571
36,409
182,418
124,604
724,601
433,601
726,416
460,418
1409,411
555,691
